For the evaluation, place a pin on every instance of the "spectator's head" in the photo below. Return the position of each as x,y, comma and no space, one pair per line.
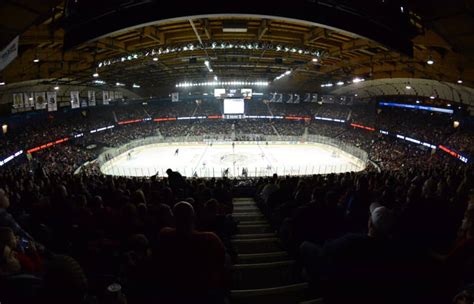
64,280
169,171
7,237
4,201
9,264
139,244
381,221
184,217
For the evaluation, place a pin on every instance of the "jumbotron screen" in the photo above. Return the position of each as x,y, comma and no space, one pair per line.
234,106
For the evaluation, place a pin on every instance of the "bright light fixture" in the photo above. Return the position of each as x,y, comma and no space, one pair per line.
357,80
430,61
95,75
356,95
287,72
206,62
459,81
408,87
315,60
2,83
432,97
56,88
155,58
36,60
340,83
136,86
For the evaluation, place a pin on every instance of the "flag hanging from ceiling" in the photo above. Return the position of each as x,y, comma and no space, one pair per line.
75,103
40,101
91,98
52,101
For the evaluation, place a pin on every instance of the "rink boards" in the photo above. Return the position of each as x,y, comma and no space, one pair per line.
256,158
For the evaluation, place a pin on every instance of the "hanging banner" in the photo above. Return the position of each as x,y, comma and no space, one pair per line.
105,97
52,101
175,97
307,97
28,100
290,98
296,98
111,95
315,98
75,103
18,101
91,98
84,103
40,101
9,53
118,95
279,98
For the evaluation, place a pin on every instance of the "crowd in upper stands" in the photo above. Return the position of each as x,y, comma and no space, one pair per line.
403,234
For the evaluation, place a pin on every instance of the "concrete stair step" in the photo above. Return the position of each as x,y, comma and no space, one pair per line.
253,222
254,236
254,229
265,257
246,208
289,294
264,275
257,245
249,217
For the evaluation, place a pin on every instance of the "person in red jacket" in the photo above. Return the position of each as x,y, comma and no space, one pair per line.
190,263
24,250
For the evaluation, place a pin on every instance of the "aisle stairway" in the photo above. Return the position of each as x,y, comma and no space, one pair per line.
264,273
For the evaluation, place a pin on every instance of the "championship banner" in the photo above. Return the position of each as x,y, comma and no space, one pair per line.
118,95
75,103
111,95
290,98
52,101
40,101
84,103
18,101
91,98
105,97
174,97
28,100
296,98
9,53
307,97
279,98
314,98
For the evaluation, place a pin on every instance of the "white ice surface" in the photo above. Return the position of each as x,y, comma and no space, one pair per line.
209,161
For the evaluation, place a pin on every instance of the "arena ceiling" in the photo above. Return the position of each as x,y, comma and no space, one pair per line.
159,54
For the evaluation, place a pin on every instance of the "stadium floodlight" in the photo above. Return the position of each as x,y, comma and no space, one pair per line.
56,88
36,60
460,81
2,83
432,97
430,61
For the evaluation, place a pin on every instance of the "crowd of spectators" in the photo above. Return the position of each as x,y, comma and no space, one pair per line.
400,236
65,238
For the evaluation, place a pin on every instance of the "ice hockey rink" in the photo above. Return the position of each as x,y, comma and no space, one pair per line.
217,160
